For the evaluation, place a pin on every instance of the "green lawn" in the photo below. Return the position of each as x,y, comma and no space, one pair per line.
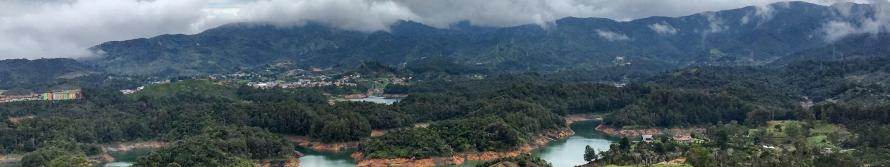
819,135
822,128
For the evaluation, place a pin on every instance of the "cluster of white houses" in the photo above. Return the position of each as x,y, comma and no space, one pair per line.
46,96
131,91
346,81
301,84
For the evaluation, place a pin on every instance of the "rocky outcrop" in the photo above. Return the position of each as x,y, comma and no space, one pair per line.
17,120
460,158
103,158
434,161
547,137
122,147
581,117
677,161
293,161
5,159
305,142
127,146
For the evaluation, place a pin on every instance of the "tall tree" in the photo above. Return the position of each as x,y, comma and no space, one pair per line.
589,154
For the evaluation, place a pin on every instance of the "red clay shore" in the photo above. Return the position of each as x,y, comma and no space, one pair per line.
303,141
457,159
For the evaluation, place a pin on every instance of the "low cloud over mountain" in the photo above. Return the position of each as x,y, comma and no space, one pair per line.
65,28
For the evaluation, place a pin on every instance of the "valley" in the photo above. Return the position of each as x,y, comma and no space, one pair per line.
717,88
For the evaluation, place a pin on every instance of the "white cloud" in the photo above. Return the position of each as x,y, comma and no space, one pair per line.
349,14
663,29
715,24
611,36
835,30
880,22
762,13
65,28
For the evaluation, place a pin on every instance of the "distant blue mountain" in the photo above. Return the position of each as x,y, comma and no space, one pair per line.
744,36
18,73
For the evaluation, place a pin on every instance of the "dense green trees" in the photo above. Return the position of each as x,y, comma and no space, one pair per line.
781,143
420,142
339,127
378,116
221,146
70,161
57,155
179,110
499,113
524,160
678,108
495,125
325,124
42,157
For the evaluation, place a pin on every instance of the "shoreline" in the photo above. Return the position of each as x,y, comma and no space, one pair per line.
306,142
572,118
292,161
314,145
637,132
106,157
461,158
128,146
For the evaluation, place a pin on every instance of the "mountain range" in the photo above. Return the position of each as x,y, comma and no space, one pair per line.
775,34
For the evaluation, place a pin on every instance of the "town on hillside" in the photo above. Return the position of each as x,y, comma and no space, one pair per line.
45,96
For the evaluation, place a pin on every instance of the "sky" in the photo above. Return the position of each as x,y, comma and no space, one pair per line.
67,28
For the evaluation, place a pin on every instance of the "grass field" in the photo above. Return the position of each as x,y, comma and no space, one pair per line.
818,132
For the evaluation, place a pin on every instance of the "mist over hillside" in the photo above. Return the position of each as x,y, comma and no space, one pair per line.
744,36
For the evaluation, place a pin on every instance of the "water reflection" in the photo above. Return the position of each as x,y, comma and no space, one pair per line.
126,158
563,153
315,158
377,99
570,152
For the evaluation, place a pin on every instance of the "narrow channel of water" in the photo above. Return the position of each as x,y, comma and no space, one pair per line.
326,159
570,152
377,99
126,158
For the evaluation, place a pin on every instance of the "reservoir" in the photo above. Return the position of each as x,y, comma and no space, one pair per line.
126,158
315,158
562,153
377,99
570,152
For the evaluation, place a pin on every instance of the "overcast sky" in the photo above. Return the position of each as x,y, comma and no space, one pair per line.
66,28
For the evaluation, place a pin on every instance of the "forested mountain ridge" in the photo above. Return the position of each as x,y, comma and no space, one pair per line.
744,36
18,73
856,46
